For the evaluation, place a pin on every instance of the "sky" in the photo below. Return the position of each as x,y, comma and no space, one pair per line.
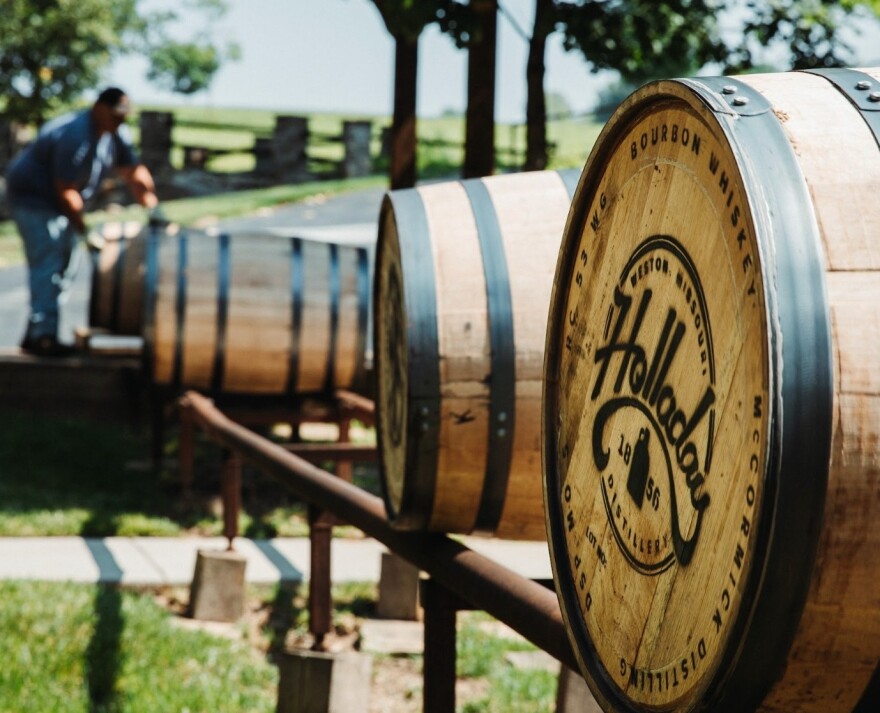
336,56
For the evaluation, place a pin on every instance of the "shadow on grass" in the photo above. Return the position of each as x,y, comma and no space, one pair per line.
64,476
75,477
103,654
286,611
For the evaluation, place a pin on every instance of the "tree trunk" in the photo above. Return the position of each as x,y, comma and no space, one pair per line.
479,150
536,107
402,171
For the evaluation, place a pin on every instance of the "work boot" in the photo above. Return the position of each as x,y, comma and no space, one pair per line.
46,346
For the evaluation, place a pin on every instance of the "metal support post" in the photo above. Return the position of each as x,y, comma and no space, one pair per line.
230,486
441,606
320,599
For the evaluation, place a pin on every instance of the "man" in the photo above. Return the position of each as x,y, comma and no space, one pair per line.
49,185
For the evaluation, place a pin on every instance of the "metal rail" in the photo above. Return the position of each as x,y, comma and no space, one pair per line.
524,605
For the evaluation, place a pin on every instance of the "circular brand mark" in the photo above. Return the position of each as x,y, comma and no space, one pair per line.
654,407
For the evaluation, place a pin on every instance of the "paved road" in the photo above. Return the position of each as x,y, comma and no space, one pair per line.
348,218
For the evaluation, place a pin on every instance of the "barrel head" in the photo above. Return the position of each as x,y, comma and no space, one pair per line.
661,406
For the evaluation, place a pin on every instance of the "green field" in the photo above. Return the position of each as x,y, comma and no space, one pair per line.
232,133
440,139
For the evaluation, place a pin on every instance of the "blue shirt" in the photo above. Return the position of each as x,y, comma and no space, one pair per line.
68,149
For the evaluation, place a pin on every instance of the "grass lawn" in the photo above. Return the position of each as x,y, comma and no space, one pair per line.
74,477
102,649
96,649
109,650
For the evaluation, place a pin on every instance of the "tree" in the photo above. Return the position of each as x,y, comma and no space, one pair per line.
186,67
54,50
536,101
479,130
473,25
51,51
405,20
643,39
810,29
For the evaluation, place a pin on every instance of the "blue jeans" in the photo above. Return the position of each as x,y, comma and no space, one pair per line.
48,244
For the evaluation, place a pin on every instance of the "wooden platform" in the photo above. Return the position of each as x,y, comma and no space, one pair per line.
93,385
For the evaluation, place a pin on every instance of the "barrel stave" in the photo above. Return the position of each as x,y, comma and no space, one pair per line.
826,132
463,353
258,317
116,298
489,247
256,314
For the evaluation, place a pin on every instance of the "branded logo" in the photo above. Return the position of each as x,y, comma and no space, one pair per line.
654,416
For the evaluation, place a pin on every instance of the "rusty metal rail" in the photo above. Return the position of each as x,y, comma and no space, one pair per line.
524,605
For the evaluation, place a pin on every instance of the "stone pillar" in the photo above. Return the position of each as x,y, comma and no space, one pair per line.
289,144
264,162
356,140
156,127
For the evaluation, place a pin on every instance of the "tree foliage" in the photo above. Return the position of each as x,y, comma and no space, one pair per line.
407,18
809,29
189,66
184,67
642,38
54,50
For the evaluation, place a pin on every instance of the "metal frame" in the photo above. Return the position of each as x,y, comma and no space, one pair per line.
460,578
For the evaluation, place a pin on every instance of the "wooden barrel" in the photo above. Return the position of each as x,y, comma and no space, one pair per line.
255,314
463,277
116,299
711,420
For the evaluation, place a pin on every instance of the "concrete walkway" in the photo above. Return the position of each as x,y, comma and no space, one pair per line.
152,561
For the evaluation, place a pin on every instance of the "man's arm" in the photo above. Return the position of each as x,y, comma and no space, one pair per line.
72,204
140,182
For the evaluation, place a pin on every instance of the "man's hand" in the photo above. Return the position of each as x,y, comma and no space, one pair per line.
95,240
141,184
156,217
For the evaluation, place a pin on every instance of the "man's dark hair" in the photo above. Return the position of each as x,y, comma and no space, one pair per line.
110,96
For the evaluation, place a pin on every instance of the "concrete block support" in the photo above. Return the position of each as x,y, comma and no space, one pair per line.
218,586
398,589
317,682
573,695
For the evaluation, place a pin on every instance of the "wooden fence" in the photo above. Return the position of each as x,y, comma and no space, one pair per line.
282,154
